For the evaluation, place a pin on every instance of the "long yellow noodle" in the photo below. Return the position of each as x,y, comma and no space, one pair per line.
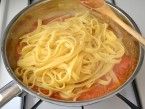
69,56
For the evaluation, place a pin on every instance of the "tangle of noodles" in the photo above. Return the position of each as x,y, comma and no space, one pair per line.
69,56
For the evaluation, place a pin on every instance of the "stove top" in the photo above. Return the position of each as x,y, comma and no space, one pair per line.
8,9
7,12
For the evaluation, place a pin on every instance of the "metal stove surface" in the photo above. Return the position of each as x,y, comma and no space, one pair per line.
7,12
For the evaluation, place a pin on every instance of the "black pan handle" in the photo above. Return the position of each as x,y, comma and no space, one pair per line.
130,104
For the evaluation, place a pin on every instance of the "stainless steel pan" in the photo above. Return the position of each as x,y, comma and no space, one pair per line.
23,23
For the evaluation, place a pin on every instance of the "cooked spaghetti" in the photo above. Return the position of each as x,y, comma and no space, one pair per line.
70,56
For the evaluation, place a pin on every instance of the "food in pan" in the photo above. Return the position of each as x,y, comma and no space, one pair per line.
76,58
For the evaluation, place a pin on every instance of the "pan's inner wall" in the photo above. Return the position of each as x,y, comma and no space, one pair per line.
27,22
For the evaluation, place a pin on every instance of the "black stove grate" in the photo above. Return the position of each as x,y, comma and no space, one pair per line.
134,85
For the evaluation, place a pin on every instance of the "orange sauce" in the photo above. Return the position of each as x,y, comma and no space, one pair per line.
122,70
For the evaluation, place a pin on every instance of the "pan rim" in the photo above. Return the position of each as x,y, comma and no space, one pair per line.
64,102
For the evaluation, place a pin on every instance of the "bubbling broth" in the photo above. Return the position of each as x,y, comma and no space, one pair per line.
74,58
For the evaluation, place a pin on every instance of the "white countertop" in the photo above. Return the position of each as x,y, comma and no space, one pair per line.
8,9
136,9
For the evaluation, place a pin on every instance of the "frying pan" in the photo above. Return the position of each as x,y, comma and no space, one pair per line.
25,22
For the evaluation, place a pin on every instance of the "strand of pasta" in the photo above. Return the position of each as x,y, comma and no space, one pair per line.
70,56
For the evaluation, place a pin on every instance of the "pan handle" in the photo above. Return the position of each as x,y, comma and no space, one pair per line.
8,92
